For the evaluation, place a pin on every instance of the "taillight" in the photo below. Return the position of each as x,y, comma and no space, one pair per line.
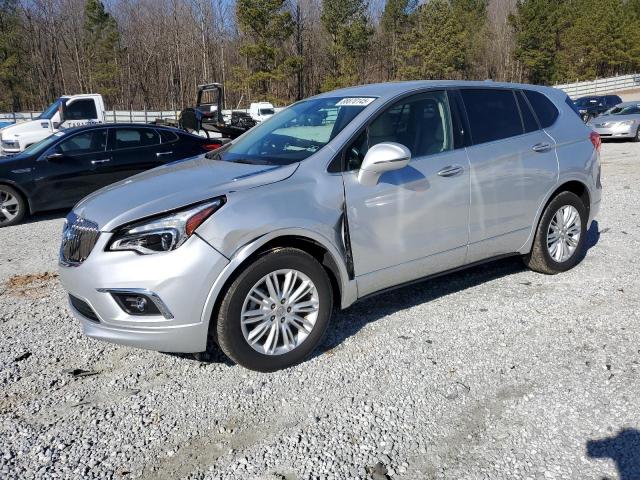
211,146
596,140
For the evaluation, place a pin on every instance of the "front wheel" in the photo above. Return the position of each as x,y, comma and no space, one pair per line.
560,237
12,206
637,137
276,312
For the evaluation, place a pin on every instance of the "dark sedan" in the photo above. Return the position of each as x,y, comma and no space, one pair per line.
65,167
592,106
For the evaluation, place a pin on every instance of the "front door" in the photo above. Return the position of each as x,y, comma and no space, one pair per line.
70,170
415,221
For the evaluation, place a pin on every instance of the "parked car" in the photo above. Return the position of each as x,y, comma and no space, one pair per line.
58,171
66,112
253,248
623,121
592,106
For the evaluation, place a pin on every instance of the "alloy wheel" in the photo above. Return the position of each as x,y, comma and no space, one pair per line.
279,312
563,236
9,207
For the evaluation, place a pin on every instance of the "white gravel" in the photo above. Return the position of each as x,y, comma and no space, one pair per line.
496,372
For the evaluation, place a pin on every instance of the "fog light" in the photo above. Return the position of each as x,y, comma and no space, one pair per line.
136,304
138,301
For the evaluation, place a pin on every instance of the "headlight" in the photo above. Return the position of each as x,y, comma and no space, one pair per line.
626,123
166,233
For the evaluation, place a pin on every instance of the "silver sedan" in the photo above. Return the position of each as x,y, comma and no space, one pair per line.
622,121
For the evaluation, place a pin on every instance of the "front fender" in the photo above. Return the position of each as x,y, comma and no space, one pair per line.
348,288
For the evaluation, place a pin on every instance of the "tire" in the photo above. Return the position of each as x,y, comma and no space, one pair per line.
13,207
637,137
267,355
543,257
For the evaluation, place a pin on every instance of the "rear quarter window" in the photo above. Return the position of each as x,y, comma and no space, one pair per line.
544,108
167,136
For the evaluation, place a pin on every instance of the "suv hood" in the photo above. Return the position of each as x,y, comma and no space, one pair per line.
174,186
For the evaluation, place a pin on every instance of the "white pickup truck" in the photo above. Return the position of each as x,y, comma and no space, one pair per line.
65,112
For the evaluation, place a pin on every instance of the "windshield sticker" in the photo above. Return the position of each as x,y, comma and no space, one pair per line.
355,102
59,134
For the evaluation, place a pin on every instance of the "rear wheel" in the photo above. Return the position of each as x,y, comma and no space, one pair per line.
12,206
560,237
276,312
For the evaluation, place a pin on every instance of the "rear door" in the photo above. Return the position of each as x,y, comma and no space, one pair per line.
176,146
133,150
513,167
70,170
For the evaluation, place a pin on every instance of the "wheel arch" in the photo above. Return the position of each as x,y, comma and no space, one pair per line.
344,289
575,186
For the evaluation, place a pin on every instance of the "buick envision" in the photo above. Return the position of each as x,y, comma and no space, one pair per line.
336,198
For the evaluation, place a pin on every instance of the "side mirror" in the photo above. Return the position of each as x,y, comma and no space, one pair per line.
55,157
383,157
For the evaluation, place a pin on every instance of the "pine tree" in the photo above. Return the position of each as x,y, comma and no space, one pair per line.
266,25
435,44
598,42
10,56
350,35
394,23
102,41
537,25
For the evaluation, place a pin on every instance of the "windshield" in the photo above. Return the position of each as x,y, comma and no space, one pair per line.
586,101
297,132
628,110
42,145
51,110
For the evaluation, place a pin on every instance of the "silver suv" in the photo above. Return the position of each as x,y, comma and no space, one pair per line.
337,197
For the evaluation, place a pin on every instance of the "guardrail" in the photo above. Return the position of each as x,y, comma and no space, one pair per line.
601,86
118,116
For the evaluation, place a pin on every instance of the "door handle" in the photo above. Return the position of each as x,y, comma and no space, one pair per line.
541,147
451,171
98,162
162,154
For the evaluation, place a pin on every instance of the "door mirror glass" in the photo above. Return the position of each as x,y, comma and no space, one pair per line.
381,158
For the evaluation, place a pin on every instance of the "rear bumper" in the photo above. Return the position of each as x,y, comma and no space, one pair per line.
182,279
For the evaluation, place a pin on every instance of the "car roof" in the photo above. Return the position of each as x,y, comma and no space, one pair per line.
392,89
124,125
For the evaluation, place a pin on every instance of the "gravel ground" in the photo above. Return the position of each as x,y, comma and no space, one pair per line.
496,372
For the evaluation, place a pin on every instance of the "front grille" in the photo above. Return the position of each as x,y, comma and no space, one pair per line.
83,308
79,236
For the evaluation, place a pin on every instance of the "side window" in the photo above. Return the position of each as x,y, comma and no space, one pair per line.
546,111
167,136
529,121
493,114
421,123
354,155
81,110
89,142
135,137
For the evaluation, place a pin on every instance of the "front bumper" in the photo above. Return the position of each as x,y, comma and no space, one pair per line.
182,279
616,132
